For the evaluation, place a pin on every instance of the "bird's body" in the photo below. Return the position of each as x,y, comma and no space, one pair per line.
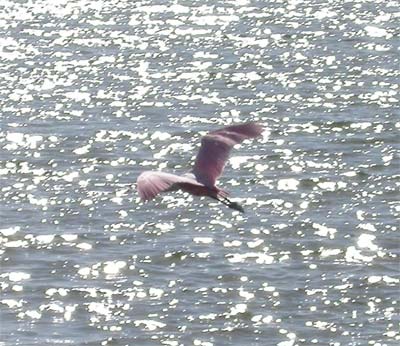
209,164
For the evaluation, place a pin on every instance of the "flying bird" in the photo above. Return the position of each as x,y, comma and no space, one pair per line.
210,162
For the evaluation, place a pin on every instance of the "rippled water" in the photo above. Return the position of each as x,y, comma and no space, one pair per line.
94,92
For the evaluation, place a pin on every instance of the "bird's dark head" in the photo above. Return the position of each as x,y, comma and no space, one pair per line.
236,206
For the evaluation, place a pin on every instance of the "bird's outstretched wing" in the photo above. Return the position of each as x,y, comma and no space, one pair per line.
151,183
215,148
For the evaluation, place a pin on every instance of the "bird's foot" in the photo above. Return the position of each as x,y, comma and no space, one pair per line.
236,206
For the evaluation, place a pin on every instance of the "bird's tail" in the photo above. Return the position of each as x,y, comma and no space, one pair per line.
222,193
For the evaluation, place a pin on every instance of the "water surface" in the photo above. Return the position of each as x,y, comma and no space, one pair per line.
94,92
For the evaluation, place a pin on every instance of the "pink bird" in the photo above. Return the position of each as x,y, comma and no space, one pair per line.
210,161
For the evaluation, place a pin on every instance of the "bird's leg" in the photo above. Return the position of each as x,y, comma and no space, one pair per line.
234,205
229,203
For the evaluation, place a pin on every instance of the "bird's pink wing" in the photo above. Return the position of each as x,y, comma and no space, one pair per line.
215,148
151,183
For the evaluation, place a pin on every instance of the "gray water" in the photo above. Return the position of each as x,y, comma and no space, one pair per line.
94,92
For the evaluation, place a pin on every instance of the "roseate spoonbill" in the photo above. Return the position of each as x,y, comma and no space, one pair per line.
209,164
